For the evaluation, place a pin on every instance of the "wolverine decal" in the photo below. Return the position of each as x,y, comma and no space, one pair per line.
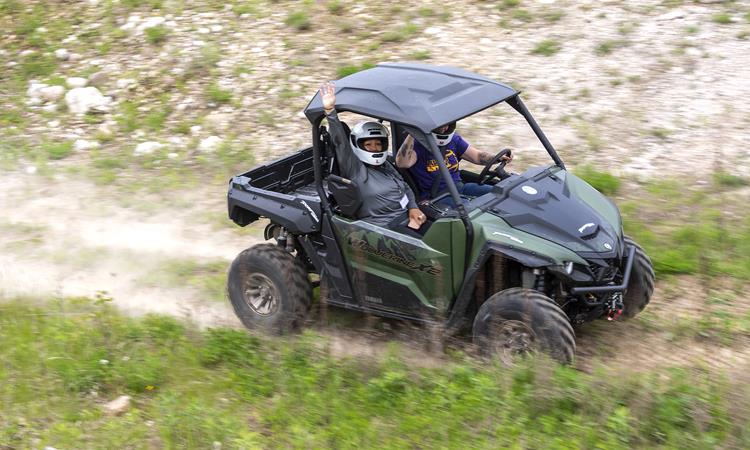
366,247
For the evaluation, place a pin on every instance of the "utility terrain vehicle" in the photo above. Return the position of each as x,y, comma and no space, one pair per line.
519,266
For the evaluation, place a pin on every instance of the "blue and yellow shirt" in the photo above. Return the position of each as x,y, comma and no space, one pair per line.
426,168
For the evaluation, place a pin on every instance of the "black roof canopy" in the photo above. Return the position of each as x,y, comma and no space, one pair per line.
420,95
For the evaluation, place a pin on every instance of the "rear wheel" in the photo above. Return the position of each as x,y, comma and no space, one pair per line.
269,289
641,284
520,321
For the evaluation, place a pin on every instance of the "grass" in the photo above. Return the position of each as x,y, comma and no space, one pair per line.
298,20
344,71
547,47
729,180
401,34
604,182
607,47
721,18
207,277
157,35
218,95
193,389
57,150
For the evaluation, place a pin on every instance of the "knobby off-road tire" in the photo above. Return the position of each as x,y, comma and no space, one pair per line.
641,284
519,321
269,289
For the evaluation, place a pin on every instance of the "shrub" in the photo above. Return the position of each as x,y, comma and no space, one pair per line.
298,20
58,150
604,182
216,94
547,47
157,35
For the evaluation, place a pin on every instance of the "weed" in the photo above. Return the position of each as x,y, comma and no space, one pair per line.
216,94
298,20
420,55
335,6
509,4
37,65
604,182
660,132
607,47
729,180
523,15
400,35
553,15
57,150
344,71
157,35
721,18
547,47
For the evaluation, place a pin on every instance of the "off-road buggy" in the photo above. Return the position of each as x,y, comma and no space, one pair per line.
520,266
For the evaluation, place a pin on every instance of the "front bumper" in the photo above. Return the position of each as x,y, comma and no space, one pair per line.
610,288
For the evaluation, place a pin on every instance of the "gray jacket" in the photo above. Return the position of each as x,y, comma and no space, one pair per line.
385,194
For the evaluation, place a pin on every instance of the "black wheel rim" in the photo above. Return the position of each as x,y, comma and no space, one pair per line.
513,338
261,294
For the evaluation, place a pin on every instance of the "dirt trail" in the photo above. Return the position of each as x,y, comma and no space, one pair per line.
72,238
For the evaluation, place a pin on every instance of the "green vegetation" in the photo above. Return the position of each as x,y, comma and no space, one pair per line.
341,72
335,7
604,182
547,47
298,20
216,94
401,34
191,389
721,18
57,150
607,47
729,180
157,35
209,278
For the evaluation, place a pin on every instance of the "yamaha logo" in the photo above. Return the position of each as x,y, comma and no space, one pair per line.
529,190
607,246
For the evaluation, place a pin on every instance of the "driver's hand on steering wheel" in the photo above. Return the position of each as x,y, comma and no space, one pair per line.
507,158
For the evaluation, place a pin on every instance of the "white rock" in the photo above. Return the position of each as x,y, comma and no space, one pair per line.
76,82
125,83
53,123
216,28
210,144
27,52
69,39
62,54
83,145
146,148
85,99
172,155
195,129
31,170
151,22
34,101
128,26
52,107
203,30
433,30
118,405
52,93
35,89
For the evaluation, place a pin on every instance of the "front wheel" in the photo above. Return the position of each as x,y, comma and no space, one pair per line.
520,321
641,284
269,289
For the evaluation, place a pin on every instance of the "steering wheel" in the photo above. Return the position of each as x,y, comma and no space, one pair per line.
488,173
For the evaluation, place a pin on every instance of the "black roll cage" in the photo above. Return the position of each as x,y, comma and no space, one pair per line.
427,139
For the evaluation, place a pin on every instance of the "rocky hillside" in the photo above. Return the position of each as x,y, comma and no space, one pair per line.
635,86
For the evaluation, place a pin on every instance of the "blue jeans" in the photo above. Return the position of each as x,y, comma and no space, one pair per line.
468,190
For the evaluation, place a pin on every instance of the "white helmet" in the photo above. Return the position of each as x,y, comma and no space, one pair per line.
444,137
365,131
